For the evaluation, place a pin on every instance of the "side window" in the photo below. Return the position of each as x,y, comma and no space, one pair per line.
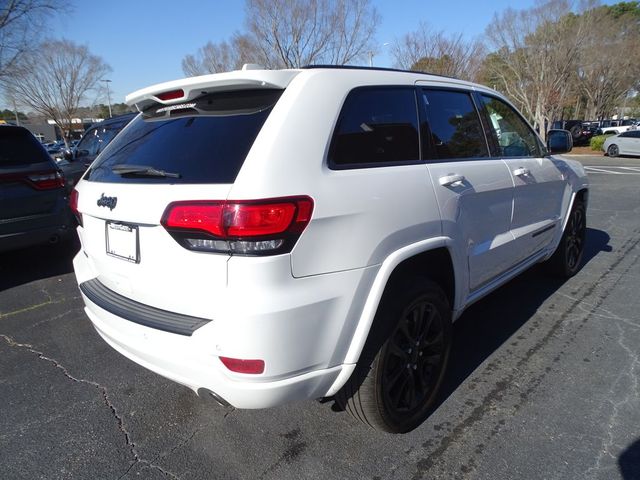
89,144
376,126
454,124
515,137
105,136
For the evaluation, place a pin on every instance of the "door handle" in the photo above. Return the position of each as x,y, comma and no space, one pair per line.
451,180
521,172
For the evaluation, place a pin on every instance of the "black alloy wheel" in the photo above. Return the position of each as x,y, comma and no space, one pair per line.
575,237
413,359
613,150
567,259
401,368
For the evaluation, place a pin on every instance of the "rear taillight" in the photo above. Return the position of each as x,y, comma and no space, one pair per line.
46,180
73,205
255,227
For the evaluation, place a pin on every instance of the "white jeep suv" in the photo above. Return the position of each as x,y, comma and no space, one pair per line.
270,236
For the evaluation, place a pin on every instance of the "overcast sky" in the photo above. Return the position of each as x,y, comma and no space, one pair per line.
144,41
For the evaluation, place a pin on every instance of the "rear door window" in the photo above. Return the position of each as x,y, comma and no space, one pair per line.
454,124
377,127
203,141
19,147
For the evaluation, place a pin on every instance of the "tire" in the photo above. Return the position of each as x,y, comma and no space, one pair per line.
567,259
402,365
613,150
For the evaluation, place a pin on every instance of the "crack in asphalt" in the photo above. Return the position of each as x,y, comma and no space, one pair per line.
105,397
502,387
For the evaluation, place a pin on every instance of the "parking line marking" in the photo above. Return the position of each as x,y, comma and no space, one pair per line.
603,170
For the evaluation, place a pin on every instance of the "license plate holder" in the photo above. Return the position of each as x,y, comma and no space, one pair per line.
122,241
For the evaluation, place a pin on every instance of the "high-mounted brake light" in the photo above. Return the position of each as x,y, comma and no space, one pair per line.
171,95
243,366
256,227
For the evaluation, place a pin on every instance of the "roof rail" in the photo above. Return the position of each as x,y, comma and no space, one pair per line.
384,69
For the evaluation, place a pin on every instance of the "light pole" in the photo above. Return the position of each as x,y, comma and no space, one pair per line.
107,82
371,54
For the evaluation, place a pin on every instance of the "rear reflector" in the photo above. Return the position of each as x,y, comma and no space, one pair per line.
255,227
243,366
171,95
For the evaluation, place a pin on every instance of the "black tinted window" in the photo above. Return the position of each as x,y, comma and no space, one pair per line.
454,124
19,147
201,143
376,126
515,138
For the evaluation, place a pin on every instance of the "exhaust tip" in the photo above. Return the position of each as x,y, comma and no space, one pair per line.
206,393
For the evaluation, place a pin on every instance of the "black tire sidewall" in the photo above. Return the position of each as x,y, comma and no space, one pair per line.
430,291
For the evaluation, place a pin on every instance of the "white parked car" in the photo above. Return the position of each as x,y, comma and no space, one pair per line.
626,143
269,236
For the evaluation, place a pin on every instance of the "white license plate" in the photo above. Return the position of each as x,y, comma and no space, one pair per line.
122,241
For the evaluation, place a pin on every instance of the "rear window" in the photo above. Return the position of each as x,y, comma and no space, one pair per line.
202,141
19,147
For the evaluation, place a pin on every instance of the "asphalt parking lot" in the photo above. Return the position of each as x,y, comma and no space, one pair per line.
544,383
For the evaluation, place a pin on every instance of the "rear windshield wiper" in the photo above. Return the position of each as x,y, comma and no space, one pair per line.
142,171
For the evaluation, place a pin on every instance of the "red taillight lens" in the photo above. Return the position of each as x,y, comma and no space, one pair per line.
73,205
195,216
171,95
256,227
46,180
243,366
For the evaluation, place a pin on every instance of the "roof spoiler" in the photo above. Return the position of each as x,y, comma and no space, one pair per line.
179,91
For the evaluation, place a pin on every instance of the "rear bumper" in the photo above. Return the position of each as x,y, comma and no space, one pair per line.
23,237
178,360
303,341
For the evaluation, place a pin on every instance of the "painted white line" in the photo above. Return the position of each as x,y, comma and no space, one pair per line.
635,169
602,170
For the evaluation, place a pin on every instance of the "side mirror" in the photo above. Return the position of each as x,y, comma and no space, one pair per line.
68,154
559,141
82,153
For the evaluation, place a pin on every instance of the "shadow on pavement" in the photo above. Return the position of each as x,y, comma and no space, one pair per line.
486,325
629,462
35,263
490,322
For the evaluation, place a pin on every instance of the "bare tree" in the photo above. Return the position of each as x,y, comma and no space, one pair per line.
56,79
609,60
436,52
294,33
19,22
222,57
534,57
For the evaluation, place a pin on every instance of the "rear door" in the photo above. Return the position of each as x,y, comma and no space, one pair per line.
474,191
539,183
166,155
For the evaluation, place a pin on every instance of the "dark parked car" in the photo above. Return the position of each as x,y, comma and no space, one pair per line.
94,140
33,203
580,132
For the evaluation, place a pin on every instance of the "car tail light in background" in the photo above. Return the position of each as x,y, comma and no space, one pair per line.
254,227
73,205
243,366
45,180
